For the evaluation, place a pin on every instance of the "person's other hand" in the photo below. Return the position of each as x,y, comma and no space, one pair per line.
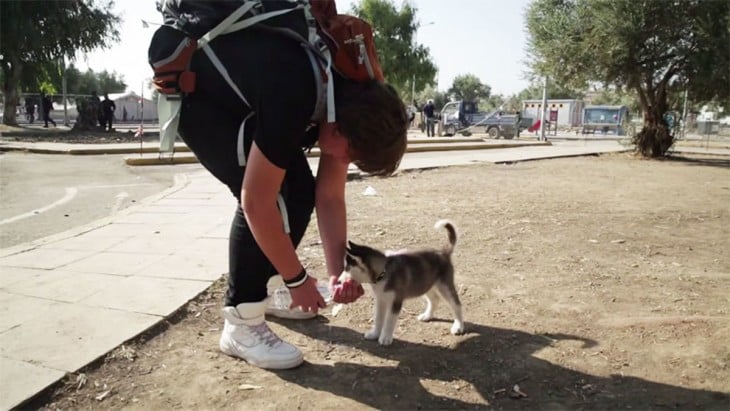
307,296
345,291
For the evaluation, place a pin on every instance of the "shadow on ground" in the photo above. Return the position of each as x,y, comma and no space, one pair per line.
700,161
491,360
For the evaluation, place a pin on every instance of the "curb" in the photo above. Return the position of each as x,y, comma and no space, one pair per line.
103,149
157,161
414,147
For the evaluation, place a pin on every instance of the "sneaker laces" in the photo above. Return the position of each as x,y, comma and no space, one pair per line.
264,332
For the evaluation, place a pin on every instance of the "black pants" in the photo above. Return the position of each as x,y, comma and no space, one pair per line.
209,124
430,127
47,118
107,122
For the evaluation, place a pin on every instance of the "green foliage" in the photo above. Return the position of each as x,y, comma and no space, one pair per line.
554,91
617,97
430,93
468,87
400,56
36,35
47,88
78,82
494,102
653,47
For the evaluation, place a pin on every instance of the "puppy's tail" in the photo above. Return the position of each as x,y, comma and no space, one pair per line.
452,233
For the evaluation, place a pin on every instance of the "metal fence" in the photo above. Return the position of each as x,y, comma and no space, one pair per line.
64,114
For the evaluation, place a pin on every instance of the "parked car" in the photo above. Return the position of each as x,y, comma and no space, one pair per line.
463,117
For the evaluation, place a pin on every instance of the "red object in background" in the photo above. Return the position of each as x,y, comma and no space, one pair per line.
534,127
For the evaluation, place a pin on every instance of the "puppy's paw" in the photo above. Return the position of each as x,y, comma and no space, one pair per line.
425,316
457,328
385,340
372,334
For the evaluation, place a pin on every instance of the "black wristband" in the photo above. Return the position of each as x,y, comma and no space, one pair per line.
300,279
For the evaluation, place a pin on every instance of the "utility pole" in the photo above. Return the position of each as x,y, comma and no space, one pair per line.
413,89
64,92
542,112
684,115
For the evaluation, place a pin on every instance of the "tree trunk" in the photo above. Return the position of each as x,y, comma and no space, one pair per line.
10,93
88,118
655,137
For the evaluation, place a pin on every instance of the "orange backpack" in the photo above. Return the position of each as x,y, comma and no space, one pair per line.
350,42
346,42
337,41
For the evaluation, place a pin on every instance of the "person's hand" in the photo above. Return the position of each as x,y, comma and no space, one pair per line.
307,296
345,291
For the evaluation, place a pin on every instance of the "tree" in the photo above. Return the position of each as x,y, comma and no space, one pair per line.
78,82
430,93
495,102
401,58
468,87
36,35
554,91
619,97
649,46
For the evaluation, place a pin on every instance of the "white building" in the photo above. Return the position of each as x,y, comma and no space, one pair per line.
133,105
569,111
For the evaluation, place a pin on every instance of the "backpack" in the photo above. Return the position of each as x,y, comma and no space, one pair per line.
333,41
349,40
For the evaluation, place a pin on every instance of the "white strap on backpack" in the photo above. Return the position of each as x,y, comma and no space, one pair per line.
229,25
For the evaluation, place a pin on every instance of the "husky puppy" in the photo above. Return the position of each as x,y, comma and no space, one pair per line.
402,275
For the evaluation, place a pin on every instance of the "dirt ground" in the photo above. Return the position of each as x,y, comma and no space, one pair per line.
588,283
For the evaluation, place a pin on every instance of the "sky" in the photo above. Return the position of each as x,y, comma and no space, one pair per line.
481,37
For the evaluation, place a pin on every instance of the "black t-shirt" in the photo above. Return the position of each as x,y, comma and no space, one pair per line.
276,77
107,106
428,110
272,71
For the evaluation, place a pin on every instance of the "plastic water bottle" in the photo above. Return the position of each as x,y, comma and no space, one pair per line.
281,298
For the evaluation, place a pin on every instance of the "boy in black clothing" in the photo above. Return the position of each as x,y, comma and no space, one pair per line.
258,150
428,111
47,105
107,108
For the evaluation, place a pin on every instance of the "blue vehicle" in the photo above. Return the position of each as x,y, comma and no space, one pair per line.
605,119
464,117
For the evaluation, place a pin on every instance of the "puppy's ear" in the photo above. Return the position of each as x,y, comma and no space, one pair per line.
349,261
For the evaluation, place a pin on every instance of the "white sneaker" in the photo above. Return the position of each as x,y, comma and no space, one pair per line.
247,336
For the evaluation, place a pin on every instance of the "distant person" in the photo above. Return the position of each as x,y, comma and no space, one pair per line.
107,111
47,107
428,111
124,114
30,109
518,114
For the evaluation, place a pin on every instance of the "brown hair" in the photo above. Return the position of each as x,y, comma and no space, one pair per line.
373,119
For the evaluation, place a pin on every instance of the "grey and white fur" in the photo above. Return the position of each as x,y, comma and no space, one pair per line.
402,275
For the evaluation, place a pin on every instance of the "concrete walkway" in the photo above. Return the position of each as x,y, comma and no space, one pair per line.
68,299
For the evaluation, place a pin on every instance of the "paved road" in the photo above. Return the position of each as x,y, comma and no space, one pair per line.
47,194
